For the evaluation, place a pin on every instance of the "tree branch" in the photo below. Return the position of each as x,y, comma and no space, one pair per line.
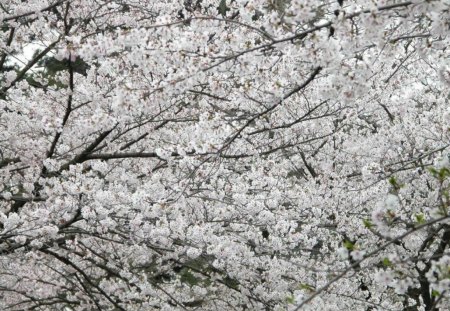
369,255
34,12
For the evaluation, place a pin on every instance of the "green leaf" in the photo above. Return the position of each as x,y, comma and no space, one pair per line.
222,8
394,183
290,299
367,223
189,278
349,245
307,287
433,171
232,283
435,293
443,173
53,66
386,262
420,218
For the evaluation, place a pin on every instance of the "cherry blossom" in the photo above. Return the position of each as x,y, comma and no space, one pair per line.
224,155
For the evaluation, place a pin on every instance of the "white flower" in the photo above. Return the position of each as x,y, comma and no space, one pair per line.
50,231
446,115
342,252
392,202
28,187
370,169
444,75
357,254
401,286
9,78
299,296
36,244
378,216
193,252
7,195
383,277
442,162
100,166
12,221
20,239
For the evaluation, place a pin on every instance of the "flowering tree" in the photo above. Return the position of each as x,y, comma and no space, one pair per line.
224,155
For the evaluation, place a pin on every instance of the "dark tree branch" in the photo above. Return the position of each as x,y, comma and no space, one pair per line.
8,43
287,125
368,255
48,8
6,161
80,158
51,151
289,94
308,166
85,276
390,115
30,64
129,144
